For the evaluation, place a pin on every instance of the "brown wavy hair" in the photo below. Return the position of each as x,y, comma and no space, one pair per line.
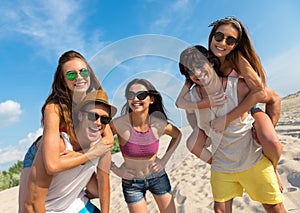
60,94
244,46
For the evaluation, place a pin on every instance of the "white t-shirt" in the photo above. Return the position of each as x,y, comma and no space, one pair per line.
66,191
233,150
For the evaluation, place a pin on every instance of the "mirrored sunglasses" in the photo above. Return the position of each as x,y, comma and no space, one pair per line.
84,72
92,116
230,40
141,95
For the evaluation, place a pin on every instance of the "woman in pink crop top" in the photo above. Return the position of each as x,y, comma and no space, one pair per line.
142,123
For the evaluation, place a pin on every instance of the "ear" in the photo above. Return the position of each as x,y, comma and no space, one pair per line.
80,116
152,99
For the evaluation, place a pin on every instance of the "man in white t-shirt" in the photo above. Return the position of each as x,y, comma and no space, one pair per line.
66,192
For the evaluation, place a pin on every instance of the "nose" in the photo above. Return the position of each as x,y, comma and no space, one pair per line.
98,123
136,98
78,76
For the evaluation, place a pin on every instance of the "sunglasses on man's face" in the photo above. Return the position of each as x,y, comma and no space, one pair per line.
84,72
141,95
92,116
230,40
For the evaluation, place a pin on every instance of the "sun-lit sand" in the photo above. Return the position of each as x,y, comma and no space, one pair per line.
190,177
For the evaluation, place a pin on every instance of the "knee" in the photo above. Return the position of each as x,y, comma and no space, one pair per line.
218,208
274,207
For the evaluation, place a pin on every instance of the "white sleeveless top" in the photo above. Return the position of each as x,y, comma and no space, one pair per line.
66,191
234,150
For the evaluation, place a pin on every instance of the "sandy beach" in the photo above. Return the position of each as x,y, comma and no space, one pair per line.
190,177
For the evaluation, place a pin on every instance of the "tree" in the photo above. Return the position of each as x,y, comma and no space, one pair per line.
12,177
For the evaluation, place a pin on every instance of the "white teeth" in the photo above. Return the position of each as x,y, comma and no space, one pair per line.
219,48
80,84
95,129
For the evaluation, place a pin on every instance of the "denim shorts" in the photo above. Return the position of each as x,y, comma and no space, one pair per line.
30,154
134,190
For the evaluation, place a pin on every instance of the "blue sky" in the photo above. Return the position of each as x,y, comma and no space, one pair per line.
134,39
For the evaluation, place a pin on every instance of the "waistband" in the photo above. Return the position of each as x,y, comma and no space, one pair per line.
148,177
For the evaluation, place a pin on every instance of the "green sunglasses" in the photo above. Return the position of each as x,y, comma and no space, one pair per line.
84,72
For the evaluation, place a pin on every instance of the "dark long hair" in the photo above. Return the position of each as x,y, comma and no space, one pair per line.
61,95
244,45
156,109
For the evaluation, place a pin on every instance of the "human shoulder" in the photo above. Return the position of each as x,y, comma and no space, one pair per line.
51,108
158,125
120,124
121,120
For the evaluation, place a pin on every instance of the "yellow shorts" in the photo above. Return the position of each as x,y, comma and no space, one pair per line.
260,183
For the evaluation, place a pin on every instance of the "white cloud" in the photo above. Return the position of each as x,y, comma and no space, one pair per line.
10,112
26,142
51,26
11,154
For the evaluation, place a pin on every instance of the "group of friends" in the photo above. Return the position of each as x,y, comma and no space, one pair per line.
70,163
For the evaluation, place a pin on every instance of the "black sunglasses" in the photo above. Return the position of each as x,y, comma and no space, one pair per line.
141,95
229,40
92,116
84,72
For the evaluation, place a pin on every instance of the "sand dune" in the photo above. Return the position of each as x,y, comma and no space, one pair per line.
190,177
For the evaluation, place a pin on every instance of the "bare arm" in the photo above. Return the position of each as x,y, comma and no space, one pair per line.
175,133
184,101
257,91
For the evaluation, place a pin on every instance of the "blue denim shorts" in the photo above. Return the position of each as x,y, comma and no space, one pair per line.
30,154
134,190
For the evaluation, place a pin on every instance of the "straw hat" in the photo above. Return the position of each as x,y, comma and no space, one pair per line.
97,96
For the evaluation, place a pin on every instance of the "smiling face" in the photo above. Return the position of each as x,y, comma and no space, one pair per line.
221,48
135,104
202,73
79,84
91,130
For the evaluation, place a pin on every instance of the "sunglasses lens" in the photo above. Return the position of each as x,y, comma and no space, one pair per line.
105,119
85,72
130,95
93,116
71,76
142,95
219,36
230,40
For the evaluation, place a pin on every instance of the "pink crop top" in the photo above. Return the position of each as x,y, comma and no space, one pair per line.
140,144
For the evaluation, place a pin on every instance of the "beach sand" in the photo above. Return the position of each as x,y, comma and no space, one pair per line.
190,177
